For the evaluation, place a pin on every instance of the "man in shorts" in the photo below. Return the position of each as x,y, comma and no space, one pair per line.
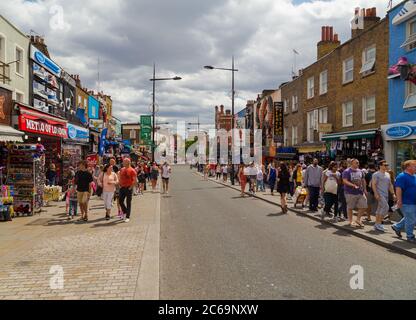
355,192
166,172
381,185
83,181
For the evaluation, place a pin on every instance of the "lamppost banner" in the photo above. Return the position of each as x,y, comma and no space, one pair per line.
146,129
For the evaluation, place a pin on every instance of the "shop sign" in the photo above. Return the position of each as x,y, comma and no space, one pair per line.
407,12
93,108
44,61
146,129
325,127
400,132
96,124
92,160
32,124
278,122
78,133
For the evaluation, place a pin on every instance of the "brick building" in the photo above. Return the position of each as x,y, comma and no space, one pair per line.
335,107
223,119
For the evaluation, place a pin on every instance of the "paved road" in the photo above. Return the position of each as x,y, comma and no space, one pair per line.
215,245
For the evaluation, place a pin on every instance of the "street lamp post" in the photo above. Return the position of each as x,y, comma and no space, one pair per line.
154,79
233,70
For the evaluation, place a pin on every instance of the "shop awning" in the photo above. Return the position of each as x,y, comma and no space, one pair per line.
285,156
352,135
312,149
9,134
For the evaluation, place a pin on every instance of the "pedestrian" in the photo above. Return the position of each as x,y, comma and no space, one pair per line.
341,194
371,201
218,171
331,182
72,199
243,179
283,185
313,181
271,178
108,181
382,187
51,175
166,173
141,178
225,173
252,171
83,181
260,179
406,200
297,175
116,198
355,192
127,180
206,171
154,175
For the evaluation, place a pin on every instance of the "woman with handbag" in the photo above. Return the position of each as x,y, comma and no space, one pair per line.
331,182
108,181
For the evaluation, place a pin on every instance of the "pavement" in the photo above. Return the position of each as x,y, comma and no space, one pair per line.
216,245
47,257
388,239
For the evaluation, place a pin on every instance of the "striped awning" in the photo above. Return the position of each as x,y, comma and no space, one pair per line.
9,134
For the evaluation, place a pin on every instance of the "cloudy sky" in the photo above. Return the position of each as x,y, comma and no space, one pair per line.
181,36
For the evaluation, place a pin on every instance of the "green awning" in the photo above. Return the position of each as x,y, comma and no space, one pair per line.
352,135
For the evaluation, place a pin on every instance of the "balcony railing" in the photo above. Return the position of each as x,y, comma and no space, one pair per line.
4,73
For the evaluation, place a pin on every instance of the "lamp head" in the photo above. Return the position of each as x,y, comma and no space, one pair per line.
209,67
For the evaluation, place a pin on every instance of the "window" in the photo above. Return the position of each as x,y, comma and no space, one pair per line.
132,134
295,105
2,49
369,61
19,97
312,123
19,61
311,88
369,109
323,82
285,137
348,70
80,101
411,95
286,106
323,118
410,42
347,114
294,135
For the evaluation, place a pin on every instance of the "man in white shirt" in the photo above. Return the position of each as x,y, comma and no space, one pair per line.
166,172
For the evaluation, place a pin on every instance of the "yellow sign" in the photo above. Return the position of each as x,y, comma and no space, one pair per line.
325,127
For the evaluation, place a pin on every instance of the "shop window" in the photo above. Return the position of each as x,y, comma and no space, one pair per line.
369,61
348,70
323,82
410,95
19,61
347,114
311,88
369,110
410,42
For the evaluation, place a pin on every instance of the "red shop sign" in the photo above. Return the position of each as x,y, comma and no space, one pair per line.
31,121
92,160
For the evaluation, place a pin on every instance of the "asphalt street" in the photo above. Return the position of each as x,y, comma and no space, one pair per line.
216,245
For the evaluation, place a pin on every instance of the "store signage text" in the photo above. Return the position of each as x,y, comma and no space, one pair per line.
42,128
44,61
398,132
78,133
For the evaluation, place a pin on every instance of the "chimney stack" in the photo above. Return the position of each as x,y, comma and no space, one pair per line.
367,17
329,41
222,109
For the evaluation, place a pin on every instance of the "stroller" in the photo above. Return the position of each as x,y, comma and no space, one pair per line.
300,196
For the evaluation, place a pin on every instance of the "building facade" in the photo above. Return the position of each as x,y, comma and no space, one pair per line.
399,134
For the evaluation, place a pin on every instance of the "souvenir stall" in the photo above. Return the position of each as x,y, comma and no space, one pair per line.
26,163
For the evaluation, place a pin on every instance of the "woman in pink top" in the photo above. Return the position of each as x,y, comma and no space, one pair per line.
108,180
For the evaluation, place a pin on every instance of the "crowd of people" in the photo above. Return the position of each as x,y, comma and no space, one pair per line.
339,189
113,184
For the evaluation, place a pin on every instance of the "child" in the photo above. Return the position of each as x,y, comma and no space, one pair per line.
73,201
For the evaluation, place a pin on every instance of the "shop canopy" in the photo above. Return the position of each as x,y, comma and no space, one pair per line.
9,134
352,135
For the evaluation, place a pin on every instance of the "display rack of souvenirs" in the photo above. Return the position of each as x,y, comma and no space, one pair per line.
6,203
26,174
52,193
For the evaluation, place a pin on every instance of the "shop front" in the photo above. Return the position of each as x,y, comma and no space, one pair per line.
310,150
364,145
399,143
48,131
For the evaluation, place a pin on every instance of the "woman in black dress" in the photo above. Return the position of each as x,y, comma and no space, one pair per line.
283,184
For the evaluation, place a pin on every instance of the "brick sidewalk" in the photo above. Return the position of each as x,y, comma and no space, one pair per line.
100,259
388,239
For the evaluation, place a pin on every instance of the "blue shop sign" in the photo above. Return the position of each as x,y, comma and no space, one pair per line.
44,61
399,132
93,108
78,133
